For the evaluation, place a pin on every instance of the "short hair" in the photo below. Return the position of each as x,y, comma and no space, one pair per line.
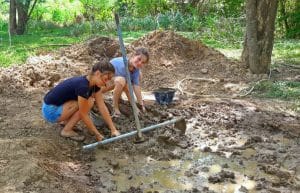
104,66
142,51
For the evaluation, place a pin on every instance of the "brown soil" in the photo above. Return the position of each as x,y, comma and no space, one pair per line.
33,158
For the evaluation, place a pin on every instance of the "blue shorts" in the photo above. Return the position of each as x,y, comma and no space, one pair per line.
51,112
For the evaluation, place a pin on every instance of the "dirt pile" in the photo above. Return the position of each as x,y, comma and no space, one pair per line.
46,70
174,57
93,49
40,72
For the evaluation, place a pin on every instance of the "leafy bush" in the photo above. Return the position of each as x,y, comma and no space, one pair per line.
288,19
130,24
56,11
164,21
79,29
3,25
38,26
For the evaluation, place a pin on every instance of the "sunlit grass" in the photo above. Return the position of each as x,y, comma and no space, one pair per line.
286,90
27,45
287,51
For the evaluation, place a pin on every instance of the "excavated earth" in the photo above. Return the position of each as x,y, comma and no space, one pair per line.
231,143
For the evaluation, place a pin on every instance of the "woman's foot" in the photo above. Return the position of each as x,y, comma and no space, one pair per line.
72,135
78,129
116,113
115,133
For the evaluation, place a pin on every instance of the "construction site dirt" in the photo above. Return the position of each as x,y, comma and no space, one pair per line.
233,142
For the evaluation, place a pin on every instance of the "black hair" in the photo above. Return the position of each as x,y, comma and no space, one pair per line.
142,51
104,66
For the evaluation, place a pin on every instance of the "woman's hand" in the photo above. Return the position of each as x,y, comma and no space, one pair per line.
143,108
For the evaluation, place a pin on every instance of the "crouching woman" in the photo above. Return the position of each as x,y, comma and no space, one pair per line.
71,100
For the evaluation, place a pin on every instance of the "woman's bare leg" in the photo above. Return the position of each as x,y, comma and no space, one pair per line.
69,108
120,82
73,119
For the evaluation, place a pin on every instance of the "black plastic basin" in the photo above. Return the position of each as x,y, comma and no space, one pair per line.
164,96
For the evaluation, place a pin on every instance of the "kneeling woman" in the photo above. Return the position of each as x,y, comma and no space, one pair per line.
71,100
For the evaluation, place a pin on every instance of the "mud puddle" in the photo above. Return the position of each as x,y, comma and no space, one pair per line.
219,155
175,175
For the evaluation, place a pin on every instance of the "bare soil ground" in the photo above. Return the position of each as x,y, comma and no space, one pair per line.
253,143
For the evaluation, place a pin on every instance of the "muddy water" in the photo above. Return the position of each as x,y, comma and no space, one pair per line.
221,151
177,175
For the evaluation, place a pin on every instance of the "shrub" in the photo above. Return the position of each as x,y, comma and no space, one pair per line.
79,29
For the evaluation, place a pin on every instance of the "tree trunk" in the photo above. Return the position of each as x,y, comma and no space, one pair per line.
17,25
12,17
259,38
22,17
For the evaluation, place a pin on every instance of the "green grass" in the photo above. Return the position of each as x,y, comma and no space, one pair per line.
31,44
287,51
285,90
282,90
207,39
132,36
44,41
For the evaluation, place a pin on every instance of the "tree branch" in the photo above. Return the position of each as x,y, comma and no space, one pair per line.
31,10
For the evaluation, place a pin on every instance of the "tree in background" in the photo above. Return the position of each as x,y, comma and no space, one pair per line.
233,8
125,7
96,9
19,14
259,38
153,7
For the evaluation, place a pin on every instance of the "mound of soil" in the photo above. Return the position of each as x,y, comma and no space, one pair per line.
174,57
44,71
93,49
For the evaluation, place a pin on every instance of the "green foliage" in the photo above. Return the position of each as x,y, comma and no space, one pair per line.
280,89
124,7
137,24
150,7
222,32
3,25
39,26
58,16
56,11
92,27
39,11
233,8
97,9
287,50
4,7
288,19
79,29
164,21
169,20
